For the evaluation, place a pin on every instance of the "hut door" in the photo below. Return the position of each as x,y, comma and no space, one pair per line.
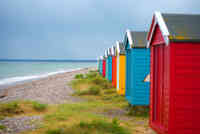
158,85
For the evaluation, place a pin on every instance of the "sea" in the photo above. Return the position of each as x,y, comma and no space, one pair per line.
16,71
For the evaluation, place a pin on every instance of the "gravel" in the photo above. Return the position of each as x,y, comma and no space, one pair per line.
19,124
51,90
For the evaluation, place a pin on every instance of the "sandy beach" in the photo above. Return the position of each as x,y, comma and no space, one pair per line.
51,90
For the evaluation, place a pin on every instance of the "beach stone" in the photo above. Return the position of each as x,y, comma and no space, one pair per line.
54,89
19,124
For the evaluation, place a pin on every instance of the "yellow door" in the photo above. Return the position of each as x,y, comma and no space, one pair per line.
122,75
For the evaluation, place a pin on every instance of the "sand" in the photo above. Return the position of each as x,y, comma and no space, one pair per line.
54,89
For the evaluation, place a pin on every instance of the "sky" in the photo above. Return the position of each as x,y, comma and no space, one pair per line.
75,29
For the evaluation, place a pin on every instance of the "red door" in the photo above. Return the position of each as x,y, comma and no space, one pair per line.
104,68
158,86
114,71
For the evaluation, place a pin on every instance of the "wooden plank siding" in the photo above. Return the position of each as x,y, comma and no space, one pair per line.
160,83
138,68
128,75
122,78
187,88
110,68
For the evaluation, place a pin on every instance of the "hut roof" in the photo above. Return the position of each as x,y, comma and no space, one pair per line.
120,48
113,52
106,53
177,27
109,51
136,39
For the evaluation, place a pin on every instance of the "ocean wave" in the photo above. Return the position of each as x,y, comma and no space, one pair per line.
12,80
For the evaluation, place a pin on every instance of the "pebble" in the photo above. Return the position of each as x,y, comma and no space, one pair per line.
51,90
19,124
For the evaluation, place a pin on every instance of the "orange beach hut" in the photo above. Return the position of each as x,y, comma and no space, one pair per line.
121,66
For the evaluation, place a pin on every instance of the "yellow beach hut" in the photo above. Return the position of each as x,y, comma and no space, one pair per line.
121,66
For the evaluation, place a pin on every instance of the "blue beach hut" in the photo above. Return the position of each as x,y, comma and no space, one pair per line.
137,91
109,64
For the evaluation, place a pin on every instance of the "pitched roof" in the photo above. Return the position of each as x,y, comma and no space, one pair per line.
136,39
106,53
109,51
183,27
177,27
120,47
113,52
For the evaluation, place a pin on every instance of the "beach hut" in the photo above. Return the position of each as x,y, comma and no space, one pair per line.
104,66
109,64
137,68
174,40
121,66
101,65
114,66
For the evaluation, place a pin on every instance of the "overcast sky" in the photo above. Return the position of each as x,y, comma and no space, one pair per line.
75,29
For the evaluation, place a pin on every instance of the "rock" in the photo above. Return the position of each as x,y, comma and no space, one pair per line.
19,124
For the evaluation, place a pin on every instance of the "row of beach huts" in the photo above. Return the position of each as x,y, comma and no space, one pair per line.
161,69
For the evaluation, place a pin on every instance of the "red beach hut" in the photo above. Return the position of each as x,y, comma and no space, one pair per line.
104,67
174,40
114,67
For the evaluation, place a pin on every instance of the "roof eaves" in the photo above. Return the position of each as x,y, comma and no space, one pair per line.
119,51
108,51
118,47
113,50
163,27
130,39
105,53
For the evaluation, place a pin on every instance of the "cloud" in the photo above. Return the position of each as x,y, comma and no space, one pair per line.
75,29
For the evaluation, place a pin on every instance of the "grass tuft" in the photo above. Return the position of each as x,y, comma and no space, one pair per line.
55,131
11,108
2,127
90,84
140,111
56,117
79,76
93,90
95,126
39,107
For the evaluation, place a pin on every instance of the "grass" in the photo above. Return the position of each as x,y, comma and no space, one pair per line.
92,127
39,107
79,76
140,111
92,90
90,79
11,108
21,108
2,127
91,116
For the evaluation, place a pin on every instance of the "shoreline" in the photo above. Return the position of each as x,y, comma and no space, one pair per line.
53,89
13,81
